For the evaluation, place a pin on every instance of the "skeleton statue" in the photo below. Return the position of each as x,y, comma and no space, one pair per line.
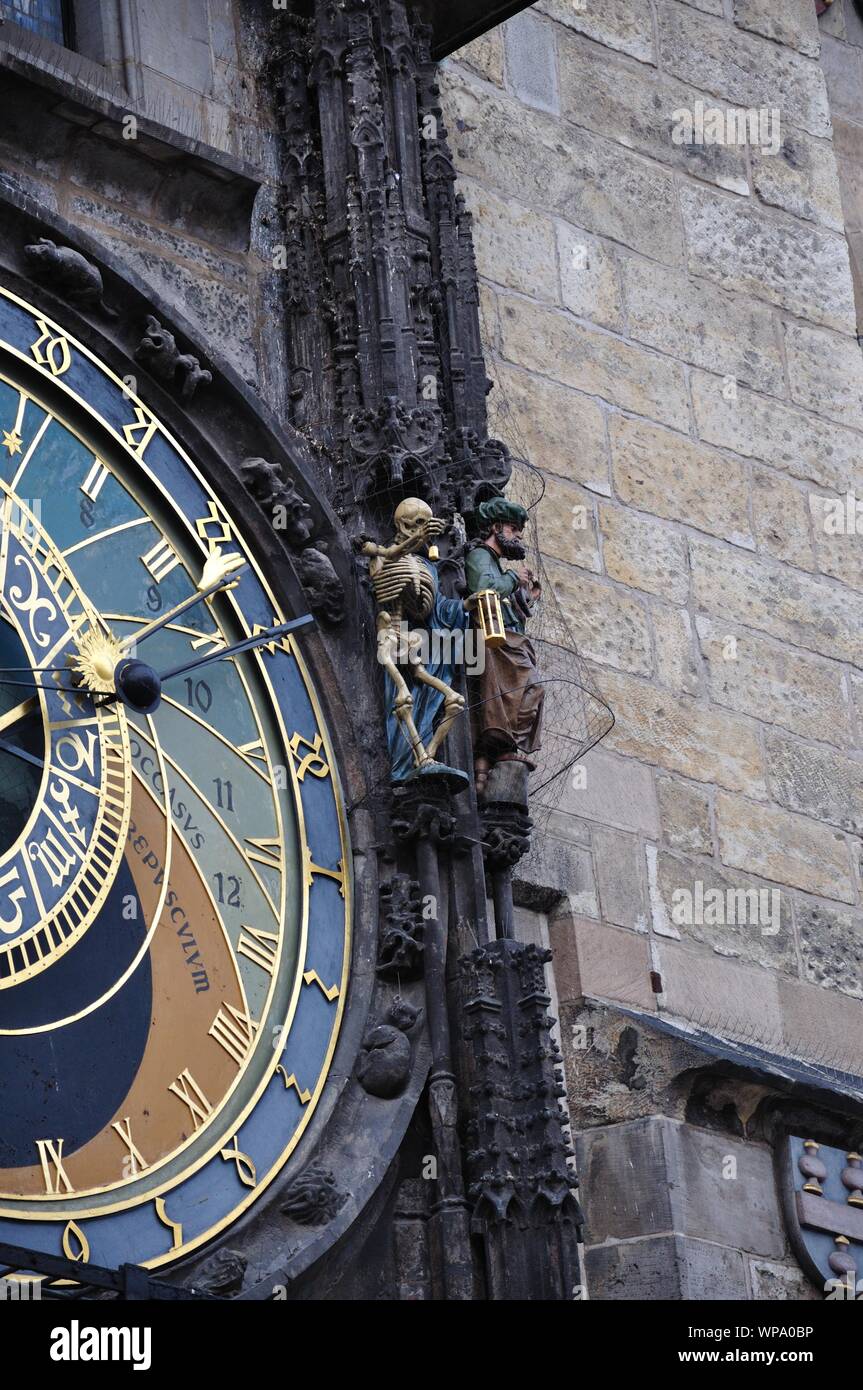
411,611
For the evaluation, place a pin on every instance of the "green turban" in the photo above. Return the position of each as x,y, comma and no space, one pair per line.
499,509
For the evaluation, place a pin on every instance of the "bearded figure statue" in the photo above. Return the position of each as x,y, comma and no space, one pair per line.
507,705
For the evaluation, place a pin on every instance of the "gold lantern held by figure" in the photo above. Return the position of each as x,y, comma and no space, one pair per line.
490,615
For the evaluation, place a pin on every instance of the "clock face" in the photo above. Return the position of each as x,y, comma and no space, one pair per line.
174,885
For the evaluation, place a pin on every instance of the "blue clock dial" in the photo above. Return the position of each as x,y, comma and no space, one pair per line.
175,882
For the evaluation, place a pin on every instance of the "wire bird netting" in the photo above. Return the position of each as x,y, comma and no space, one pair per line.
575,715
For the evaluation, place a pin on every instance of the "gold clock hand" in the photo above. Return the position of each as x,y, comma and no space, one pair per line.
220,572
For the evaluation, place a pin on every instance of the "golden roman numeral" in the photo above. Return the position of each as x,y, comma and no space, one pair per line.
138,1161
189,1092
260,947
95,480
234,1031
51,1158
160,560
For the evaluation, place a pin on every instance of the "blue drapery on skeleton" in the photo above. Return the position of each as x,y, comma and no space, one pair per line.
447,615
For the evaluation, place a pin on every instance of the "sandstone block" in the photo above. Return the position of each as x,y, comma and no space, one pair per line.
806,448
797,608
566,523
774,683
785,848
643,553
681,735
515,246
797,265
702,324
733,914
558,429
781,514
801,179
792,22
620,878
546,341
744,68
670,476
638,108
831,944
609,626
596,961
673,640
685,814
485,55
531,66
625,25
614,791
531,156
826,373
722,996
816,782
589,278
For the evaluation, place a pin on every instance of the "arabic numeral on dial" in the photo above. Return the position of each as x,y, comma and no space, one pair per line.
228,889
154,598
198,695
224,794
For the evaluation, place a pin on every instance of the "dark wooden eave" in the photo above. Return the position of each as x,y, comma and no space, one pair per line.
456,22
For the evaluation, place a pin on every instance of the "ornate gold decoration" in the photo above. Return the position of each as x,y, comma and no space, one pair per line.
96,661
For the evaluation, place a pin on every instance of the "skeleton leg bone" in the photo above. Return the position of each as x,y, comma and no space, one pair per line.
452,707
388,645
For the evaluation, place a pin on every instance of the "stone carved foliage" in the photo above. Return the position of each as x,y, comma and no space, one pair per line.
400,948
384,343
518,1151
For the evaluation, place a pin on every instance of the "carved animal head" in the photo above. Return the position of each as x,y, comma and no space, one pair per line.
44,251
156,342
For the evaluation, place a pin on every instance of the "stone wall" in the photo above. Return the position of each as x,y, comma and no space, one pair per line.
672,331
155,140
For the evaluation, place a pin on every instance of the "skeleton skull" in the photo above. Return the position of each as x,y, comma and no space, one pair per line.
411,516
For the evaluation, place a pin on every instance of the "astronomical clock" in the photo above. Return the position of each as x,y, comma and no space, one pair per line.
175,873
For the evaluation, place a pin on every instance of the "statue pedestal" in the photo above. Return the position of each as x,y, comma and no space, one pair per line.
506,828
